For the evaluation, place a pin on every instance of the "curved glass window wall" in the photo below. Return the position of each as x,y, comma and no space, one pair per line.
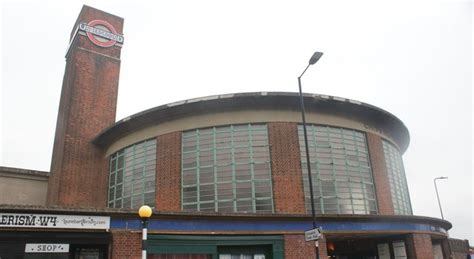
340,170
132,176
227,169
397,180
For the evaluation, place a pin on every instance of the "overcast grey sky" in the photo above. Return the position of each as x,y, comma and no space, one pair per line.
411,58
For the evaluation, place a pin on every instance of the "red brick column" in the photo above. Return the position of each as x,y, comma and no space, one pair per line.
379,171
168,172
126,245
288,194
87,106
296,247
419,246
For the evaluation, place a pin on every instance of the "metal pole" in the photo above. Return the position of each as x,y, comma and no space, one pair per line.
308,161
144,237
450,254
437,195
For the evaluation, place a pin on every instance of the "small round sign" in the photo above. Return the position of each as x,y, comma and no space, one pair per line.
101,33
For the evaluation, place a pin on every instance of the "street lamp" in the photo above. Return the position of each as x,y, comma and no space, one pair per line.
441,210
145,213
437,195
316,56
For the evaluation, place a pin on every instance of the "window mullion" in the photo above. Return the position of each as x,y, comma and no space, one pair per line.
198,185
251,164
234,184
214,166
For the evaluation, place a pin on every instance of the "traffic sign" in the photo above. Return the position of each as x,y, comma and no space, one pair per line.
313,234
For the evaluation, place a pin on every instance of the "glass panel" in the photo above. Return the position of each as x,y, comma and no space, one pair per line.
207,207
224,191
243,172
399,249
127,202
206,175
224,173
226,206
189,177
244,190
206,193
244,206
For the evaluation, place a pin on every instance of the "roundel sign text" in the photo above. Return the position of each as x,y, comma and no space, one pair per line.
101,33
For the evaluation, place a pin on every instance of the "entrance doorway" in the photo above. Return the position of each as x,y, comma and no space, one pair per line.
373,248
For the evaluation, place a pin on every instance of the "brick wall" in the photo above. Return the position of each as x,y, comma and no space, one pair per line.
288,194
168,172
126,245
458,247
419,246
87,106
382,186
297,248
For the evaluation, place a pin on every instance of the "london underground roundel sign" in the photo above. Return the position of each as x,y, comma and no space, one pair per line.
101,33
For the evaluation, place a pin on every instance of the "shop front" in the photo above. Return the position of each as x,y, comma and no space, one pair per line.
53,236
216,247
384,245
179,236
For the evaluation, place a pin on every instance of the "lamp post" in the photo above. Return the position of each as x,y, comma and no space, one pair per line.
145,213
441,210
316,56
437,195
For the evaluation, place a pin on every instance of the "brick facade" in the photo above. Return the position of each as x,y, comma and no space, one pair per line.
382,186
288,193
296,247
168,172
87,106
79,169
459,248
126,245
419,246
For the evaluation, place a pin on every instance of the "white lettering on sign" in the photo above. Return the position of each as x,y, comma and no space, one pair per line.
47,248
53,221
101,33
313,234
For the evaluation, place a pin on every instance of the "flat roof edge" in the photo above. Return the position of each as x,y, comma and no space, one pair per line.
21,171
143,119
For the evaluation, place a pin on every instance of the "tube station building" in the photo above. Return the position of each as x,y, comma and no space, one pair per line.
226,175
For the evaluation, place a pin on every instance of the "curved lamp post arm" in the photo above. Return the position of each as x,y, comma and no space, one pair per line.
437,194
316,56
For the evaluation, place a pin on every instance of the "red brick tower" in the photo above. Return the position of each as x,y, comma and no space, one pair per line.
87,106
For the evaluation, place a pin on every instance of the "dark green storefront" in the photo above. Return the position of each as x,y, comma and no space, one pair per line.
264,247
